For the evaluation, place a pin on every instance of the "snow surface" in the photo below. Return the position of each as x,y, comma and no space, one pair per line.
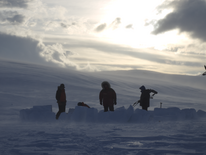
28,107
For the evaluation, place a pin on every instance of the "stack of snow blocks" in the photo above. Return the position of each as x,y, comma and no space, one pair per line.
38,113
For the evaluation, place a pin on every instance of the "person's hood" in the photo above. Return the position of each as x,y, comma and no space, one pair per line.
142,88
105,84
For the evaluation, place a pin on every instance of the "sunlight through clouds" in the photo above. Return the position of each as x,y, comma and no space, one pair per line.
138,14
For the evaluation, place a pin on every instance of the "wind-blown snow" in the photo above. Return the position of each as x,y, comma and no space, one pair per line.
28,107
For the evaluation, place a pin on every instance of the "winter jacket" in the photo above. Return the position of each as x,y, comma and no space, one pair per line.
107,97
145,97
60,96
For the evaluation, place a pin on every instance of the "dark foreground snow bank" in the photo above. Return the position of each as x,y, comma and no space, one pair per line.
120,115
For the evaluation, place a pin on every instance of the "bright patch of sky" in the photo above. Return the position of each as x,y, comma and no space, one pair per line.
159,35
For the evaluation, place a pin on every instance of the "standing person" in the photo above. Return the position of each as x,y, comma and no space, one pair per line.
145,97
107,97
61,99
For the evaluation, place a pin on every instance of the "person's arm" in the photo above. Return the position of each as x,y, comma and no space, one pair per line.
115,98
57,95
100,97
153,91
140,99
87,106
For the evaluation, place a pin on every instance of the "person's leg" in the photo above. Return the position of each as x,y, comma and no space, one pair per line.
105,108
111,108
144,108
58,113
61,109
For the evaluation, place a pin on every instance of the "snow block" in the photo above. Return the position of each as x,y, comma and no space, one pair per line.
120,115
63,117
188,114
66,116
140,116
169,114
84,114
37,113
45,108
201,113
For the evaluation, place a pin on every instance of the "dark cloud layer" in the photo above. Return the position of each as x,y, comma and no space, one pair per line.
23,49
29,50
11,17
188,16
16,19
14,3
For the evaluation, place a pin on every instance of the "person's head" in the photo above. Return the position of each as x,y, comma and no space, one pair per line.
105,85
142,88
80,103
62,86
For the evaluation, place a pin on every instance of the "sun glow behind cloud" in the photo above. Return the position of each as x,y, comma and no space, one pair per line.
133,28
131,23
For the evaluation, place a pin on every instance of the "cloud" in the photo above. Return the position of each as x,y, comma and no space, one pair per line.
113,53
115,23
64,25
16,19
11,17
29,50
14,3
55,53
20,48
101,27
130,26
188,16
99,54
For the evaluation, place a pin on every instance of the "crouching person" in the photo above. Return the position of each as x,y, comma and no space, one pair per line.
107,97
82,104
61,99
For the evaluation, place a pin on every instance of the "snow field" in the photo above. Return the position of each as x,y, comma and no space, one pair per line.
28,107
162,138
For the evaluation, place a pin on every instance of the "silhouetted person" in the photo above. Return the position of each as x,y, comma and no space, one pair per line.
204,72
145,97
83,104
61,99
107,97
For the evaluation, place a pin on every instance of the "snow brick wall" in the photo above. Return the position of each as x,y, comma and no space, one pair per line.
120,115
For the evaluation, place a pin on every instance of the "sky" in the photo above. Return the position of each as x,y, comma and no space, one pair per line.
97,35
